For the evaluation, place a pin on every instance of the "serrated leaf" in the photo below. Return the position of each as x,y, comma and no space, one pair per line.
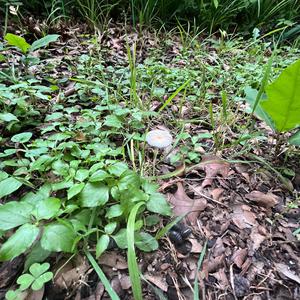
75,190
8,186
102,245
8,117
47,208
13,214
22,137
283,103
17,41
58,237
45,41
158,204
19,242
295,139
94,194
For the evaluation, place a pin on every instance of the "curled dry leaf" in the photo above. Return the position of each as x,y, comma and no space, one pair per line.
213,166
257,236
268,200
183,204
243,217
239,257
285,270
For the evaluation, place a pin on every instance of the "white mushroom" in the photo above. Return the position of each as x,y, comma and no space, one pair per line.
159,138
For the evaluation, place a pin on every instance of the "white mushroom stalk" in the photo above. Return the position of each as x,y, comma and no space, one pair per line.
159,139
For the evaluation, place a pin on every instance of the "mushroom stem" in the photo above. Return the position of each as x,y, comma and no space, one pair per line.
154,160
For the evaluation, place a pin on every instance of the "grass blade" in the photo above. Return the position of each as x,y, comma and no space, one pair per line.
113,295
133,268
196,290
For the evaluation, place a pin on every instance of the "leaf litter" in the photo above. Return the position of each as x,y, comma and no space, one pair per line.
234,207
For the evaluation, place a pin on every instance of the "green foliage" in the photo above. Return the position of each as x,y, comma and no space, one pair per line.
35,280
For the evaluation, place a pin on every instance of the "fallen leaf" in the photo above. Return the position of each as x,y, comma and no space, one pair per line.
183,204
35,295
213,166
284,269
268,200
196,246
220,275
243,217
257,236
125,282
218,248
217,193
114,260
158,281
239,257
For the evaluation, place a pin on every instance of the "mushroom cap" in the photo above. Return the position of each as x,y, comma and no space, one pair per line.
159,138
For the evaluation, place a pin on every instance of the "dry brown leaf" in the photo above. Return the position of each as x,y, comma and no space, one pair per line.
268,200
239,257
212,264
35,295
183,204
213,166
257,236
243,217
220,275
218,247
196,246
125,282
217,193
158,281
284,269
114,260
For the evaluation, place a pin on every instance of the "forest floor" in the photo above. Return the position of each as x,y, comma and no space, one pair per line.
240,193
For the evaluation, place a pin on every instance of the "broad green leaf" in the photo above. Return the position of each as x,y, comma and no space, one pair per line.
102,245
113,121
82,174
75,190
145,242
19,242
117,169
110,227
283,104
8,186
22,137
250,97
114,211
36,255
58,237
37,269
158,204
47,208
44,41
99,175
17,41
216,3
13,214
40,281
121,238
13,295
295,139
94,194
8,117
25,281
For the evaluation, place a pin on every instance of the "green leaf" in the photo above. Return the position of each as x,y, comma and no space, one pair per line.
19,242
25,281
145,242
37,254
13,295
283,103
102,245
158,204
17,41
110,227
295,139
121,238
13,214
117,169
22,137
39,282
75,190
58,237
94,194
250,97
47,208
114,211
99,175
8,117
82,174
8,186
44,41
113,121
37,269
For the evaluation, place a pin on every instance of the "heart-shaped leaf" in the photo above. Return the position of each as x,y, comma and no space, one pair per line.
38,269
